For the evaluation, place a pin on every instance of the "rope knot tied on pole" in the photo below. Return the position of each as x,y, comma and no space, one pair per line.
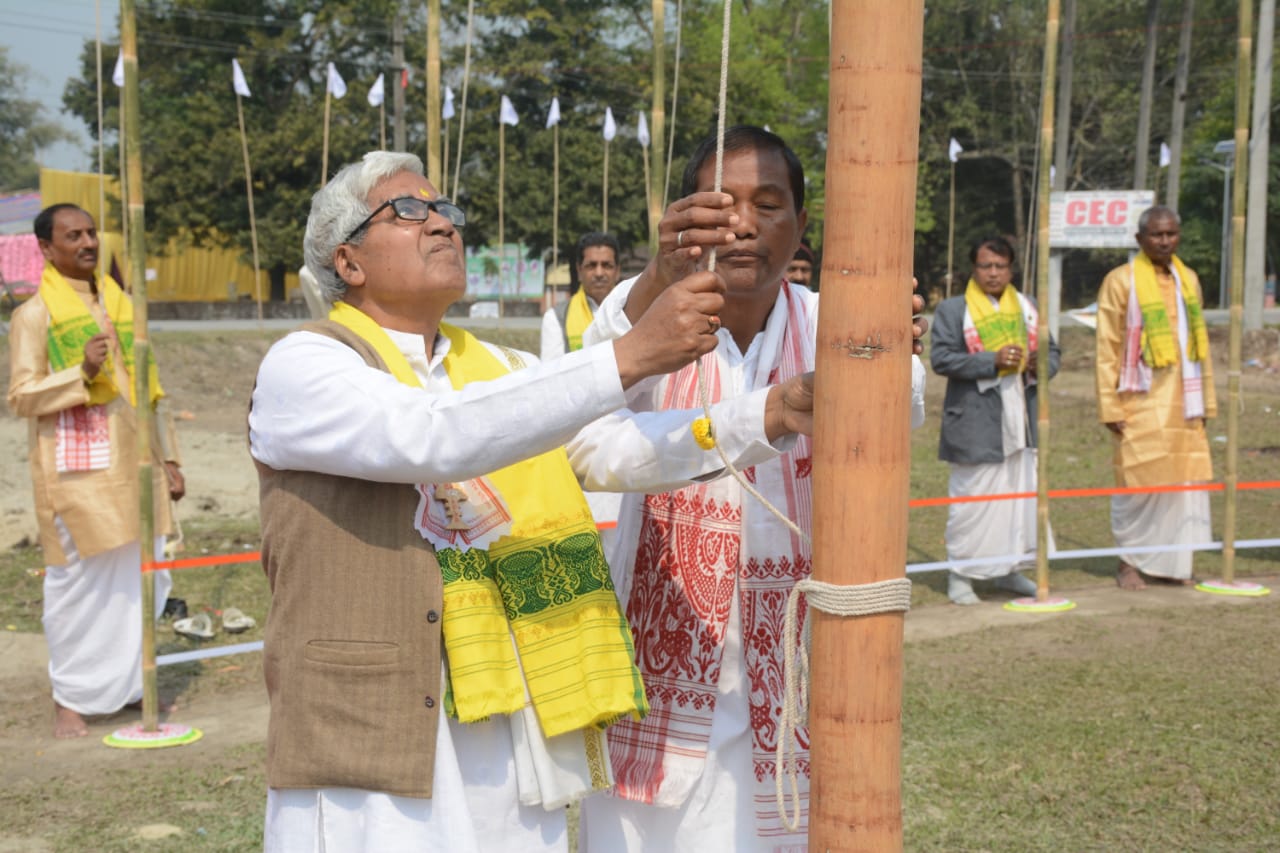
887,596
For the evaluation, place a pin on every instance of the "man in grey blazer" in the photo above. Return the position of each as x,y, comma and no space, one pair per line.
984,342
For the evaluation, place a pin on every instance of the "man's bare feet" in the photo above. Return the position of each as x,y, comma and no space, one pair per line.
67,723
1129,578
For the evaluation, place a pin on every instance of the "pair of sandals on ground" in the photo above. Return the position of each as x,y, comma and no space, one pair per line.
201,626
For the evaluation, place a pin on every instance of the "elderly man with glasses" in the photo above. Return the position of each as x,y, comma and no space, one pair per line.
428,546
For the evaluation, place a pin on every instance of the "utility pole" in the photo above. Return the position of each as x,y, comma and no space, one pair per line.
397,62
1141,155
1255,249
1179,105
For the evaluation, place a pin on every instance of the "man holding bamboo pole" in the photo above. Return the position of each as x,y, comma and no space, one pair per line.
429,549
72,375
1155,392
705,570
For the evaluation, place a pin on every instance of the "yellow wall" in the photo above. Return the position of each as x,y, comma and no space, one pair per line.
181,275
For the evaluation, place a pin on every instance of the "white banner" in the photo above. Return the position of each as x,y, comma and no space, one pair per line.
1103,219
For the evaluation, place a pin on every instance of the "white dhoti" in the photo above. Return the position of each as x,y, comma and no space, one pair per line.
993,528
474,807
93,625
1177,518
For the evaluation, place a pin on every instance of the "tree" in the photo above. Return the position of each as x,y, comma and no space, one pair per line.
24,130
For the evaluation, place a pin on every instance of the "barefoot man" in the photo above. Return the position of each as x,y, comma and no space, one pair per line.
72,376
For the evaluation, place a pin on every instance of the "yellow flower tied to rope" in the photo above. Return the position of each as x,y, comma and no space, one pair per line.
1159,344
546,583
576,319
702,433
71,326
998,326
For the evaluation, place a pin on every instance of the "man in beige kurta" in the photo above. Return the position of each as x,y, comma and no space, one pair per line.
88,519
1156,443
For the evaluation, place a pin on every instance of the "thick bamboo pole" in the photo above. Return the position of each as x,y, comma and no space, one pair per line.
434,164
861,452
653,172
141,354
1244,39
1048,83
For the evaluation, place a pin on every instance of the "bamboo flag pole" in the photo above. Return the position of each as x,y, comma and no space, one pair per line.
953,154
675,99
654,173
1049,82
435,165
861,453
102,177
241,87
506,116
553,122
324,155
1244,38
382,125
650,191
466,78
141,355
610,130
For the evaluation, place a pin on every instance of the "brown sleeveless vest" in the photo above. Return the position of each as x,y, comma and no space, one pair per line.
353,639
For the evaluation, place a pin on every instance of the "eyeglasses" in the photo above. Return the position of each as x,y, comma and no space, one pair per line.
413,209
991,266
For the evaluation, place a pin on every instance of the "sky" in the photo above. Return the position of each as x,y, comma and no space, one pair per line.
47,39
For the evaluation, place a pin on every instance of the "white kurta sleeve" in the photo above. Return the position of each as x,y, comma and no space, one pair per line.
610,320
552,337
917,392
629,451
318,407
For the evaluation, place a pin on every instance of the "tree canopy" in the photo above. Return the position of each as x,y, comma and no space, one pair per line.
24,129
982,66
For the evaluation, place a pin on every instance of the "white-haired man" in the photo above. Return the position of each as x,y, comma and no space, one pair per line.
428,546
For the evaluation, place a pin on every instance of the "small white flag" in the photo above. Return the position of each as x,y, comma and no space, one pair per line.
953,151
446,112
507,113
610,128
553,115
1053,174
1166,156
376,92
642,132
117,75
336,85
237,79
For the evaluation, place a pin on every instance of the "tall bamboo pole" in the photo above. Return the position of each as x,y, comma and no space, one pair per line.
253,222
502,189
653,173
1178,119
1244,39
951,229
555,195
466,78
103,264
861,454
604,191
1042,297
324,151
141,356
435,173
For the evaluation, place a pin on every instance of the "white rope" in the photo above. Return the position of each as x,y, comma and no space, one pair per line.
888,596
462,116
675,100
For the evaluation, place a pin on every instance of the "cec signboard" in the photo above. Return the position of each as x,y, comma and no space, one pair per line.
1096,220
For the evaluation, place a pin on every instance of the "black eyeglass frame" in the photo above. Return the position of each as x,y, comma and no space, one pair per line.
450,211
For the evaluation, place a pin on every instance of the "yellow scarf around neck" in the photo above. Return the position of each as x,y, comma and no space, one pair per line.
71,325
576,319
998,326
1159,338
546,583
